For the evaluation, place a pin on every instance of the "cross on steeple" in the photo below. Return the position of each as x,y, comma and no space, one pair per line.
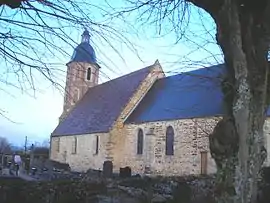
85,36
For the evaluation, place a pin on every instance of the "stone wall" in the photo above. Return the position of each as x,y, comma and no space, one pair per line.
77,84
85,156
190,139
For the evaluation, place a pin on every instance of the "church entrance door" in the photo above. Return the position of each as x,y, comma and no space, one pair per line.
203,162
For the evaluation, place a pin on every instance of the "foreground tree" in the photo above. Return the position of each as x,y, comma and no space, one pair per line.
243,33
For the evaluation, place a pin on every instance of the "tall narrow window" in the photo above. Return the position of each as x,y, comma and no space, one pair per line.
204,162
97,144
57,144
88,77
169,141
140,142
74,145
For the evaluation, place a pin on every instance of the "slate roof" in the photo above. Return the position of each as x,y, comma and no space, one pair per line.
101,105
84,52
193,94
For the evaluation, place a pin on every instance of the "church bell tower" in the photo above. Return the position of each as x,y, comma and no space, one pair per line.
82,74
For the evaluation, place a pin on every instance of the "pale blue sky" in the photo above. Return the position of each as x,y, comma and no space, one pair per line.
36,117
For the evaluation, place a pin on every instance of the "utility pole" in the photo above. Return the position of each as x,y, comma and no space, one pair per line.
25,145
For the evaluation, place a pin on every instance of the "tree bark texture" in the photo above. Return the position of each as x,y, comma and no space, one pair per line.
243,32
243,37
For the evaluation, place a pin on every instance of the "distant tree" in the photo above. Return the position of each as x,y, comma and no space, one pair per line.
5,146
46,143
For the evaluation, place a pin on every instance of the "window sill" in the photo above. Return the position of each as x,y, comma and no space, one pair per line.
139,157
169,157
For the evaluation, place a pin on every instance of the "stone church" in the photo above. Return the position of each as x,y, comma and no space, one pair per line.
154,124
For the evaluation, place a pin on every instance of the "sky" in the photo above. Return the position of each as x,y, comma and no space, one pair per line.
35,113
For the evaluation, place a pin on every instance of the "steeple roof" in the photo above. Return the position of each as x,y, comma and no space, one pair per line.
84,52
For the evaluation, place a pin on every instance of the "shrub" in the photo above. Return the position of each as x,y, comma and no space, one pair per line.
64,191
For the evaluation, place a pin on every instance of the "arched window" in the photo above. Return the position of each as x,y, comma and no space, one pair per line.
57,143
88,77
140,142
204,162
97,144
74,145
169,141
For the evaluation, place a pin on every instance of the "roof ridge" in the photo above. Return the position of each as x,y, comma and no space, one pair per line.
191,72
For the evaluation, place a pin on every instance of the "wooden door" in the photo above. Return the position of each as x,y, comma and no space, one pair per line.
204,162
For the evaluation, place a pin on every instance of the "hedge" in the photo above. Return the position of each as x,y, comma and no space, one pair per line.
64,191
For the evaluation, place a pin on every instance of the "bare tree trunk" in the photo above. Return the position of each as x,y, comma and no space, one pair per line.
246,61
248,112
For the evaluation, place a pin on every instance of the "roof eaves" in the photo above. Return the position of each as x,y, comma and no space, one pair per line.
75,134
174,119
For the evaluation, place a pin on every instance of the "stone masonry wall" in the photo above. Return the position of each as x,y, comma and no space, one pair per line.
85,157
190,139
77,84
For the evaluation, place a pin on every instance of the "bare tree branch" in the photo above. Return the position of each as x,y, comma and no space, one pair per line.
34,37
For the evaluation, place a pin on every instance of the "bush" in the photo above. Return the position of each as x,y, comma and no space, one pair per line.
266,174
65,191
182,193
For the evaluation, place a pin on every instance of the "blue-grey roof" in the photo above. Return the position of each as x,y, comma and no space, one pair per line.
84,52
188,95
101,105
